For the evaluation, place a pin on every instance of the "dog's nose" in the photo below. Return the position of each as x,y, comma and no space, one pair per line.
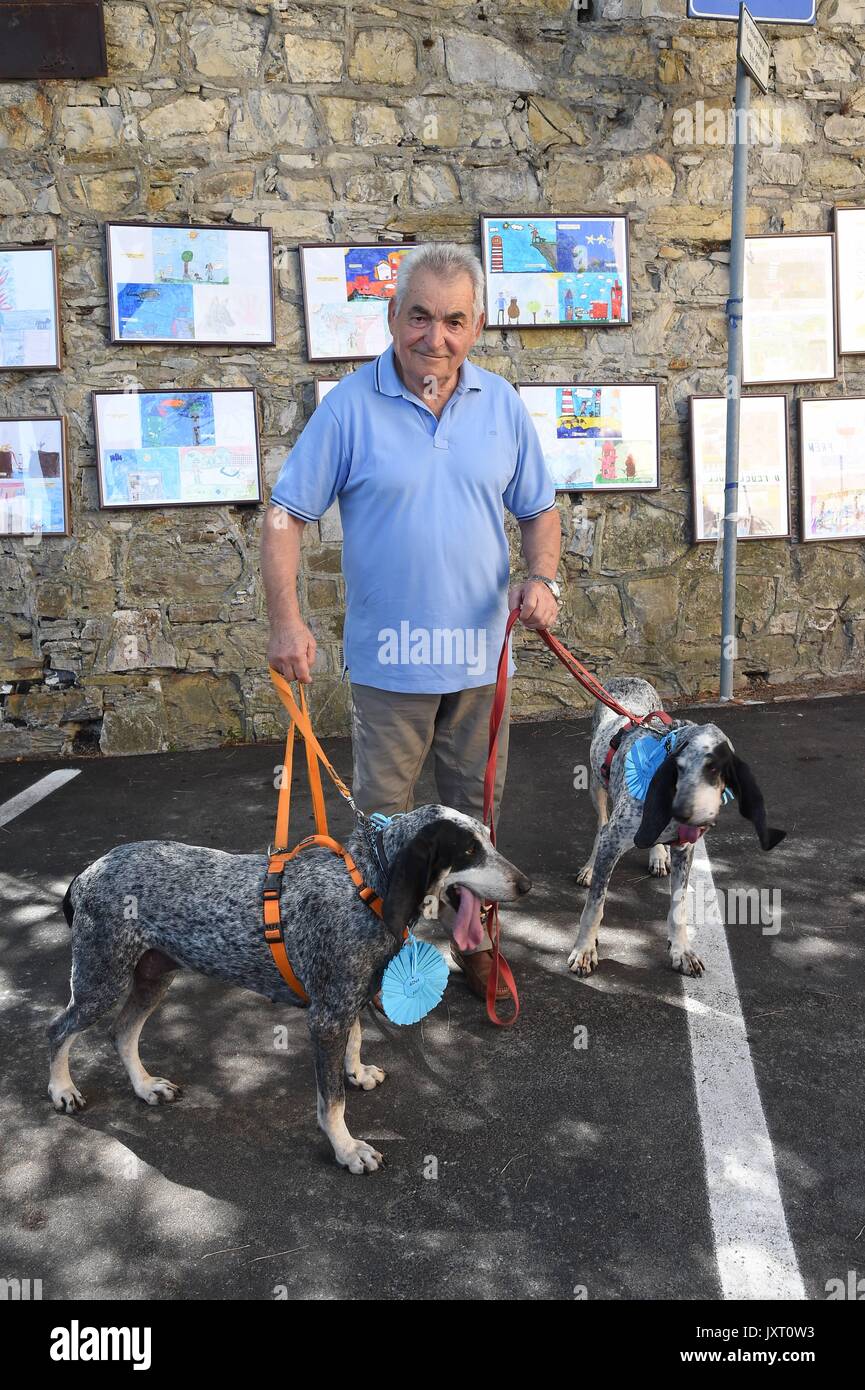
523,884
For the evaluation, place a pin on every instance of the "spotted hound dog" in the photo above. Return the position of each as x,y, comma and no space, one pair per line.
682,801
148,909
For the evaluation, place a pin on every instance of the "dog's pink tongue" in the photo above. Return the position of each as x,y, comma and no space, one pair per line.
690,833
468,927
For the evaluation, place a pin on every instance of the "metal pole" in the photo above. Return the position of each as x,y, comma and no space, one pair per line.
734,377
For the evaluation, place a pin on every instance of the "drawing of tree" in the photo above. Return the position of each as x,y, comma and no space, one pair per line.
5,301
534,306
195,413
186,257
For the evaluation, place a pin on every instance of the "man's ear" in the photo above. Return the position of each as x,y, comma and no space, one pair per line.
658,806
742,783
414,869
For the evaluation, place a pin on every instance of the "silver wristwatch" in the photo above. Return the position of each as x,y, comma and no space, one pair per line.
554,588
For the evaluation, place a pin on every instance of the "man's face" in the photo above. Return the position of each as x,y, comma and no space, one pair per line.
434,330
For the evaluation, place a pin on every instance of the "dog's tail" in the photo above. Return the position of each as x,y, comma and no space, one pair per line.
68,910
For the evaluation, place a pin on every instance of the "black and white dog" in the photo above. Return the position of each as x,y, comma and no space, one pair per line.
683,799
147,909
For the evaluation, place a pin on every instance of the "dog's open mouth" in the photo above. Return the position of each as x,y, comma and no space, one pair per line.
468,929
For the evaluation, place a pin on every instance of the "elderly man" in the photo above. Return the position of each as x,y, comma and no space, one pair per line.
424,451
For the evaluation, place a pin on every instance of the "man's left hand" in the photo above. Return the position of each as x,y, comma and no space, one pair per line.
538,607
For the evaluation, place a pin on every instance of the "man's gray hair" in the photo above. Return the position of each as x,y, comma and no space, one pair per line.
445,260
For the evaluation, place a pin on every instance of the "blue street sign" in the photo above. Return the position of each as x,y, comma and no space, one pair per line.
766,11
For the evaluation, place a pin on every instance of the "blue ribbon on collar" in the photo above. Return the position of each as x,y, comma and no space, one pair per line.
643,759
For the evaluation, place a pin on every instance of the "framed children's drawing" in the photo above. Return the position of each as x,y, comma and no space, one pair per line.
177,448
190,283
850,279
832,457
34,478
29,309
598,437
788,312
346,291
764,494
556,272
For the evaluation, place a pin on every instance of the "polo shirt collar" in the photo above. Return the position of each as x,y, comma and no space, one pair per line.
389,383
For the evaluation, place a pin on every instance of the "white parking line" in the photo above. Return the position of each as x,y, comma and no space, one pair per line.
44,787
755,1255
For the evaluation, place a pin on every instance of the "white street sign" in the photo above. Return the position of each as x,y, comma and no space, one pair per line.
753,50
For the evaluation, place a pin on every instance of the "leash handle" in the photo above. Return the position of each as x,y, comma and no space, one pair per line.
283,805
500,968
496,716
315,759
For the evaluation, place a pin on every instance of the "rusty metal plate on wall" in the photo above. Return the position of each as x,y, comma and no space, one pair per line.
52,38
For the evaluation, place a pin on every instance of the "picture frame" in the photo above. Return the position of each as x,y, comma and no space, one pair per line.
600,436
764,475
30,309
788,309
556,272
228,301
346,291
850,279
177,448
34,476
832,469
323,385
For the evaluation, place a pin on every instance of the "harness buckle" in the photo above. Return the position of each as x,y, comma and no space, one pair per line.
272,885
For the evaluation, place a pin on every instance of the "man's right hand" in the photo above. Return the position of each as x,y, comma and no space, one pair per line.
291,651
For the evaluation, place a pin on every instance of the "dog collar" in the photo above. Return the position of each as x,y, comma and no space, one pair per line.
379,822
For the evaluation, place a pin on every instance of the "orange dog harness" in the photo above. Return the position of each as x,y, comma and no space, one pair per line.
277,858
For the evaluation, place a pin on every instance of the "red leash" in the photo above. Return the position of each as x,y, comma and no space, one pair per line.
500,967
590,682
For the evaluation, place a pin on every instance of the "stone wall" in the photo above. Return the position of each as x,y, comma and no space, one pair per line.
333,120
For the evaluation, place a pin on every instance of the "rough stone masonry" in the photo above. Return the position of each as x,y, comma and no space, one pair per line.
343,120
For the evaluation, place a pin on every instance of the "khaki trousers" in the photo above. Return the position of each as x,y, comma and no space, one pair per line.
392,734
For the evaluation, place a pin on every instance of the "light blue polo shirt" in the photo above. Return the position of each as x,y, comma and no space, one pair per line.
425,553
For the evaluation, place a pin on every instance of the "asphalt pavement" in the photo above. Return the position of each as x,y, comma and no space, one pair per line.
598,1149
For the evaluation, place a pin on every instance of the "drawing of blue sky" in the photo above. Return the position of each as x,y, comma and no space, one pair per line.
121,463
155,311
175,418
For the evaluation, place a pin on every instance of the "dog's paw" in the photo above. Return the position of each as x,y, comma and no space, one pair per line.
685,961
359,1157
659,861
155,1090
365,1077
66,1099
583,962
585,875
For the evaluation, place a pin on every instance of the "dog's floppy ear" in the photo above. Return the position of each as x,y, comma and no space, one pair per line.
412,872
658,806
742,782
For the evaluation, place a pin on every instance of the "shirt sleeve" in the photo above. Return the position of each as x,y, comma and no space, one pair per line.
531,489
316,469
